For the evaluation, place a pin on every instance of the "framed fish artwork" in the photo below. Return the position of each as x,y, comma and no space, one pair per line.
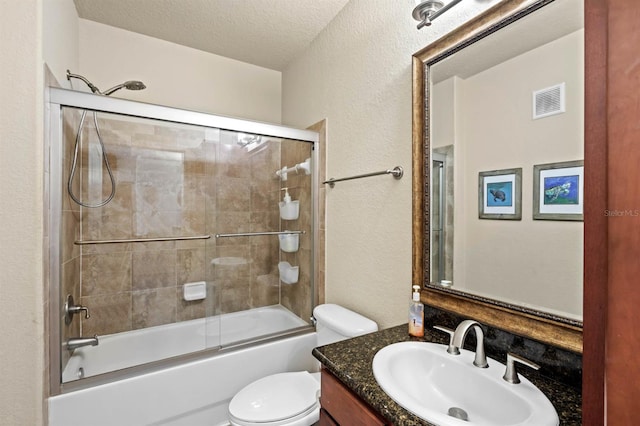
558,191
500,194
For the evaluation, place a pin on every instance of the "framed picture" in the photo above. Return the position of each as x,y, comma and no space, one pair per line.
558,190
500,194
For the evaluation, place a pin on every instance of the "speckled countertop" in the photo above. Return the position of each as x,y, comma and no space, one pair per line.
350,361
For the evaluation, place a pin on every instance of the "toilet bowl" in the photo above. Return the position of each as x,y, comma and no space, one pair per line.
292,399
278,399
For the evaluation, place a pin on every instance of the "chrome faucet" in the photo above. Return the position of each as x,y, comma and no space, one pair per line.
460,334
78,342
70,309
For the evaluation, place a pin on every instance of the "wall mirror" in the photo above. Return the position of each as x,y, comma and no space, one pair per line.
498,173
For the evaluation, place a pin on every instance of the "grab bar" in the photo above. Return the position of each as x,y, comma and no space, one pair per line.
142,240
397,173
253,234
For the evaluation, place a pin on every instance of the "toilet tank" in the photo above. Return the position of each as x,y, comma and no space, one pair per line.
335,323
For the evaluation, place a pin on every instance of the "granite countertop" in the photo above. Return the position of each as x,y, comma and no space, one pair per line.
350,361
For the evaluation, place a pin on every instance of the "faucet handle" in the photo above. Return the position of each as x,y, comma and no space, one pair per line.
70,309
511,374
451,349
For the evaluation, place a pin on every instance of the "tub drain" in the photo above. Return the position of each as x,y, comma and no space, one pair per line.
458,413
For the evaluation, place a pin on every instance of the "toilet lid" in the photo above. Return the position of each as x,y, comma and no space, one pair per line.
276,397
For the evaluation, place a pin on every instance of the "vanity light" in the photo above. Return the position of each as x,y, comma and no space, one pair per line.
428,10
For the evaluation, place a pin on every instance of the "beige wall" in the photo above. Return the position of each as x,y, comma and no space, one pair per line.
60,38
21,211
176,75
357,74
536,262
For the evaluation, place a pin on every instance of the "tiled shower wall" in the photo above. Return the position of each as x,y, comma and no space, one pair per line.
175,180
297,297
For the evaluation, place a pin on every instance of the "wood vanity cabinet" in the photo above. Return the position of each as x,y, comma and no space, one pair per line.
340,406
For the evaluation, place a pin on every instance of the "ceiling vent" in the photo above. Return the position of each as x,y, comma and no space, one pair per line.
549,101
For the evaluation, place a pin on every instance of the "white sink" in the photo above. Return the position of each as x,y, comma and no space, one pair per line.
426,380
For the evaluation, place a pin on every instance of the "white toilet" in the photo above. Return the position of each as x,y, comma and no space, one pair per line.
292,399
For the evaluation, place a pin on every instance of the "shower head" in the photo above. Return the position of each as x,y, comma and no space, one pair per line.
129,85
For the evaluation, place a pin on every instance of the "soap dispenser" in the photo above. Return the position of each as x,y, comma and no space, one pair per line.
416,314
289,210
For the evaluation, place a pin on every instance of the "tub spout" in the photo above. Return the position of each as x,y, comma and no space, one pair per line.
78,342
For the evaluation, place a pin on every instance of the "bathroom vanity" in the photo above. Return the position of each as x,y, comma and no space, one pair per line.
341,406
350,391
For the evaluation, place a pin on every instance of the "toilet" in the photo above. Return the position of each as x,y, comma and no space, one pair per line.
292,398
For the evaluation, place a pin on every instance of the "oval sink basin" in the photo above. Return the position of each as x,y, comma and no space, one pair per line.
448,389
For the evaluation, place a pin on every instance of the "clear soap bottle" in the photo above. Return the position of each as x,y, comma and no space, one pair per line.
416,314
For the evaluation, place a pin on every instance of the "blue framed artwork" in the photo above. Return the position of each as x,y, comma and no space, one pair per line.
558,190
499,194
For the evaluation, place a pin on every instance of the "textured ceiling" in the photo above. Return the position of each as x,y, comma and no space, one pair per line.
268,33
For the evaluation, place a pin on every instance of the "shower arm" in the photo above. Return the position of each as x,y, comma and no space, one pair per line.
93,88
113,89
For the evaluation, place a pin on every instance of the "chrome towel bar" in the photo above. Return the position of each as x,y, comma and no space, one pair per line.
254,234
397,173
141,240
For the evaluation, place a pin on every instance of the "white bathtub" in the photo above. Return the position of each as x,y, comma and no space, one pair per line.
127,349
191,394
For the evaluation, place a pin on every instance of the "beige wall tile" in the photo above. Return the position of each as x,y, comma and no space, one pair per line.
190,265
106,273
189,310
153,269
153,307
109,314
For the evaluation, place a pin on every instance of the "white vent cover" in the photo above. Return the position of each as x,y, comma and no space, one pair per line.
549,101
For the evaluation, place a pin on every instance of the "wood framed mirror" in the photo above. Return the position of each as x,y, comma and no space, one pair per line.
541,325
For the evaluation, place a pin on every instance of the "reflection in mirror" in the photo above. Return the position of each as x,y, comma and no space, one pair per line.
473,120
483,120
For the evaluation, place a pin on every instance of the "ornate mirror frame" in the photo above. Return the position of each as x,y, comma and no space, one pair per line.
557,331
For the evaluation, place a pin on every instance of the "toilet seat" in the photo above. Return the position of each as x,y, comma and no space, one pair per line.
279,399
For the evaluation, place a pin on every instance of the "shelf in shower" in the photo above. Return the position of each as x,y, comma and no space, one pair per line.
142,240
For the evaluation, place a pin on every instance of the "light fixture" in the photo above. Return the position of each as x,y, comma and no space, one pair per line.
428,10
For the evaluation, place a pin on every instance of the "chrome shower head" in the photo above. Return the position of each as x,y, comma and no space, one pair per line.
129,85
134,85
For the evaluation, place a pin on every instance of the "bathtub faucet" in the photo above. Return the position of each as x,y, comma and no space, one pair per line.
78,342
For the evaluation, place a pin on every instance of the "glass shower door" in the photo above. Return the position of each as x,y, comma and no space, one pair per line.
137,262
437,220
262,273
